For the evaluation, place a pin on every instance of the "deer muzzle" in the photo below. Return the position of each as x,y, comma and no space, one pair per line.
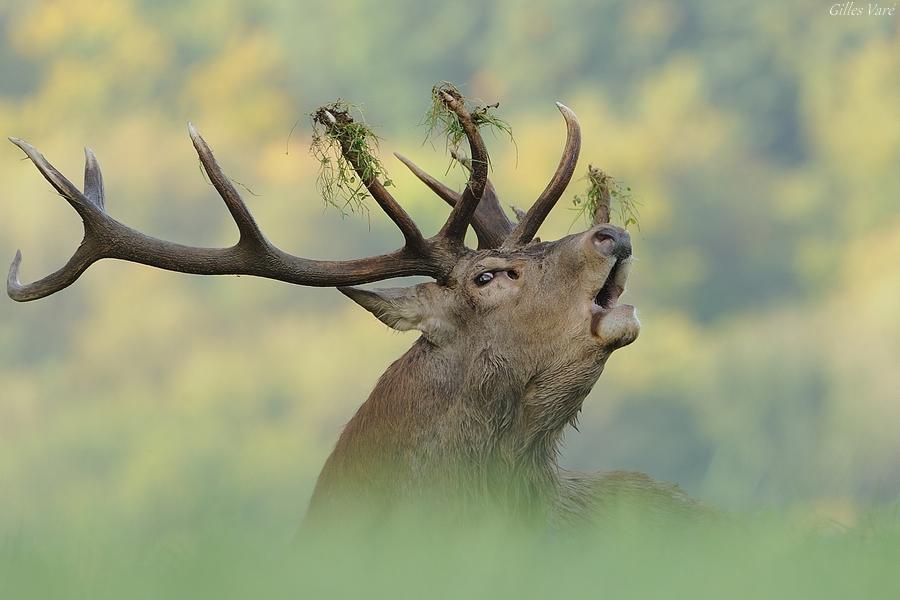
613,324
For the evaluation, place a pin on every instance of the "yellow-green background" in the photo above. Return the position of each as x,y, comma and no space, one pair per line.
762,139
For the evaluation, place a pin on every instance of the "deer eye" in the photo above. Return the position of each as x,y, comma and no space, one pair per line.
484,278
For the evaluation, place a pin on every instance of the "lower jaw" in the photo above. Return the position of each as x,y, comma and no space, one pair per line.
620,319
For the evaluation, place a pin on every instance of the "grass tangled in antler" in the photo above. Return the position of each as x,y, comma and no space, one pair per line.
336,136
605,193
441,121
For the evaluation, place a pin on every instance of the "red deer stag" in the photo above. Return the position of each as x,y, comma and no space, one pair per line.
514,334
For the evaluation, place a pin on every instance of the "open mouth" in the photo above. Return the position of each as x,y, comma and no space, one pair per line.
608,295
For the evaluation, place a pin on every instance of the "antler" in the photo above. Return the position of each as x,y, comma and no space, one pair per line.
528,226
253,254
458,221
491,224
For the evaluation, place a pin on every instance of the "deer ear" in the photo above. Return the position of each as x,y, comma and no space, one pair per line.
419,307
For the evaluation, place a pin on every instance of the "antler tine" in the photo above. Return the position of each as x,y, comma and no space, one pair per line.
82,205
104,237
602,212
83,257
411,234
528,226
93,180
458,221
490,223
489,209
443,191
247,227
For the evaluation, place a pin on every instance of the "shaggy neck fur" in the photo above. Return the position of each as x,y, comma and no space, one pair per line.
462,430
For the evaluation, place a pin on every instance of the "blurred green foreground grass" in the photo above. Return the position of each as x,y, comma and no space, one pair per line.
758,557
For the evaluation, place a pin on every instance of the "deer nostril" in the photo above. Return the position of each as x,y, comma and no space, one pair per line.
614,242
604,242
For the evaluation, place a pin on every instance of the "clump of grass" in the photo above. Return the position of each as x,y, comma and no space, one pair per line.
605,193
441,121
337,136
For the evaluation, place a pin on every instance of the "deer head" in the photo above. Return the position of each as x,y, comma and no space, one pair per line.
516,331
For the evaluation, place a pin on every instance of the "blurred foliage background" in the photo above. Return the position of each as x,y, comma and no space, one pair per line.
762,139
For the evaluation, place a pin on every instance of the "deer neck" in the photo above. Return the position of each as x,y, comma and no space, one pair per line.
441,419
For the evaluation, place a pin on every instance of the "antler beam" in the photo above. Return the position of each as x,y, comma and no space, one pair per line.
253,254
